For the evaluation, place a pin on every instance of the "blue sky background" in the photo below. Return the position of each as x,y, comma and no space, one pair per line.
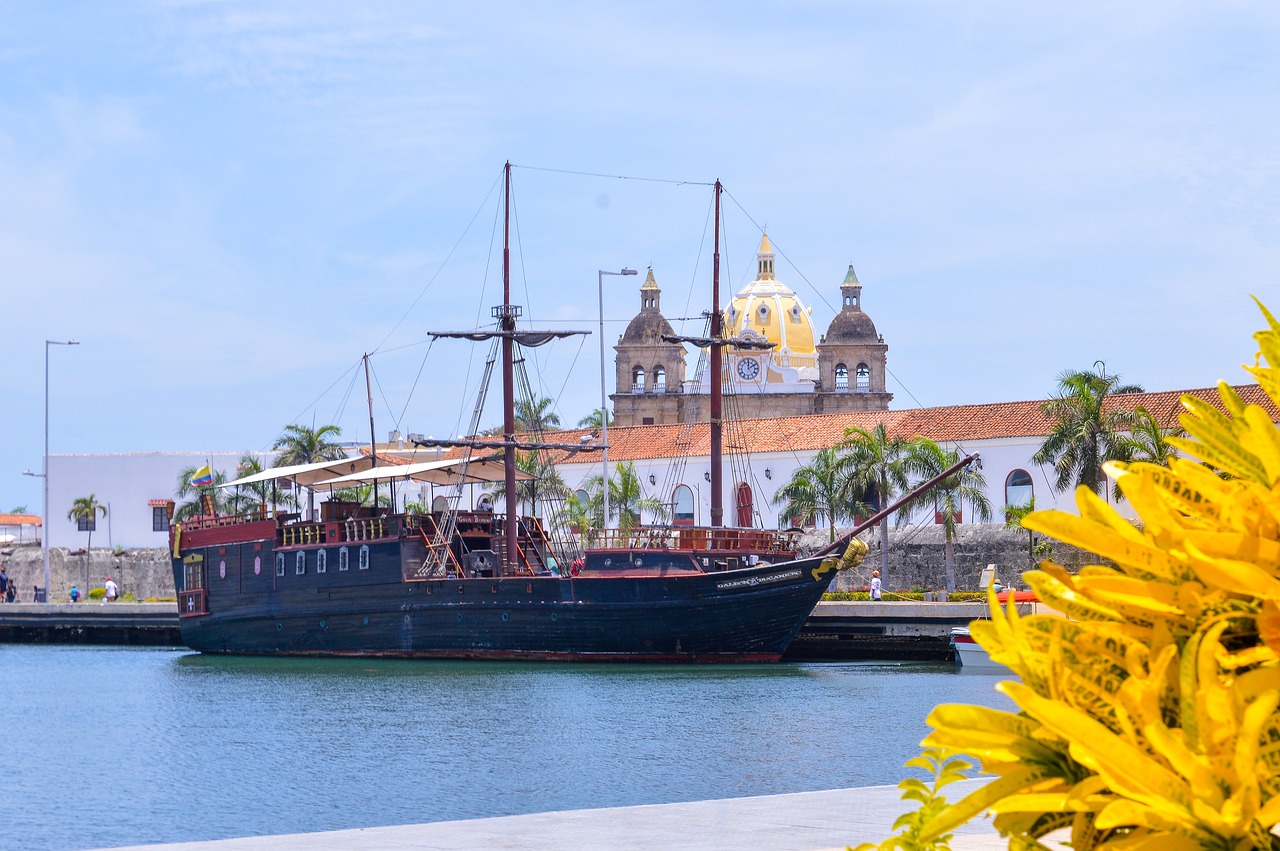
228,203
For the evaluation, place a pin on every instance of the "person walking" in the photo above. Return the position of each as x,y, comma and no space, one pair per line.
5,581
112,591
875,585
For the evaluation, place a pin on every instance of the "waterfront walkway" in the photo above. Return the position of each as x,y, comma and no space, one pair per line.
805,821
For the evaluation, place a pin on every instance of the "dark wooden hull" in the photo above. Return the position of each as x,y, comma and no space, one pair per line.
248,607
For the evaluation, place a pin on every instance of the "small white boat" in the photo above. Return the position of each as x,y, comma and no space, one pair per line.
971,655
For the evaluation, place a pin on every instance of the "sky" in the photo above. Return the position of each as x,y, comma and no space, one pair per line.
228,203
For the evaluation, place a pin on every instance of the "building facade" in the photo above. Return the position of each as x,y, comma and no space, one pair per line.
802,373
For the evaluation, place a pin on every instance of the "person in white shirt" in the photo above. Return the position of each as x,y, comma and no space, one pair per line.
875,585
112,590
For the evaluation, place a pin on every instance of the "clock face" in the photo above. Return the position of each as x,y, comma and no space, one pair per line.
748,369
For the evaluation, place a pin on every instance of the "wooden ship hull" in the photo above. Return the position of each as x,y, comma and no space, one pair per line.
277,586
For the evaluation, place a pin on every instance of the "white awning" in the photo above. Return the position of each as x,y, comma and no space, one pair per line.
307,474
443,472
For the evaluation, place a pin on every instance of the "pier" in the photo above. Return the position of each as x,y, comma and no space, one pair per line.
905,631
802,821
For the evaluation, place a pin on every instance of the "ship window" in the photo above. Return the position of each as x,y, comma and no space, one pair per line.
842,377
300,564
364,556
1018,489
343,559
322,561
279,564
864,379
683,500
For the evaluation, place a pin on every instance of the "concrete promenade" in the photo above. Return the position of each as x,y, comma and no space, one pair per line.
804,821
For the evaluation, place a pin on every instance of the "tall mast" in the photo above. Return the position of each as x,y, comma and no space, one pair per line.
507,320
717,369
373,435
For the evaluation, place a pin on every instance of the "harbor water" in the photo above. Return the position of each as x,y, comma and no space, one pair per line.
115,746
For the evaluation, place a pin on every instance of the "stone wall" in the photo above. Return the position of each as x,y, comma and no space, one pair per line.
141,572
916,557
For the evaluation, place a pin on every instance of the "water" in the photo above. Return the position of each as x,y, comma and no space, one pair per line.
115,746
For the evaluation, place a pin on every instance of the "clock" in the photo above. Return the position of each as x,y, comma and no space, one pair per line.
748,369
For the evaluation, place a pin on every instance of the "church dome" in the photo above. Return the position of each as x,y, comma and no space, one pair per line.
851,325
768,308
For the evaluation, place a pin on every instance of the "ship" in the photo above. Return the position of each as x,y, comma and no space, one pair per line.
474,583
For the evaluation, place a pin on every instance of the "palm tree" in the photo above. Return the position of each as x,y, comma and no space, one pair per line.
255,496
878,462
195,505
823,487
362,495
967,485
304,445
535,415
1013,520
545,485
1147,439
581,514
627,498
593,419
1085,435
85,510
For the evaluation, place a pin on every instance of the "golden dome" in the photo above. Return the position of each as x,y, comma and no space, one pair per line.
768,308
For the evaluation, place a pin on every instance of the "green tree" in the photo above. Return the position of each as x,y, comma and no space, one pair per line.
193,494
304,445
85,509
546,484
253,497
19,509
1146,439
1086,432
535,415
823,487
966,486
1013,520
878,463
592,420
627,498
363,495
583,515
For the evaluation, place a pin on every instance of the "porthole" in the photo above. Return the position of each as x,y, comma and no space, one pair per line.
365,621
505,617
406,618
554,617
279,627
322,623
459,617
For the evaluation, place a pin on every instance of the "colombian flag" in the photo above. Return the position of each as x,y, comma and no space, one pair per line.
202,477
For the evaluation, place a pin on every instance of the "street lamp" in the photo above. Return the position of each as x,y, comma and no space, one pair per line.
604,411
44,533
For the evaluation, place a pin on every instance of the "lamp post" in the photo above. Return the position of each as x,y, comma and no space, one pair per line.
604,411
44,536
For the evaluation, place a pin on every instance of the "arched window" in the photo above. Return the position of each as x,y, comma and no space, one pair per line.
842,377
1018,489
279,564
322,561
301,566
583,496
637,380
440,505
344,559
746,511
863,378
364,556
683,498
659,380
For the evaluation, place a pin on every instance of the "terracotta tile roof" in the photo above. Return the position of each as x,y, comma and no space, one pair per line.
20,520
156,503
953,423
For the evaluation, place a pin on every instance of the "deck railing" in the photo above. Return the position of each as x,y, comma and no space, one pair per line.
695,539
